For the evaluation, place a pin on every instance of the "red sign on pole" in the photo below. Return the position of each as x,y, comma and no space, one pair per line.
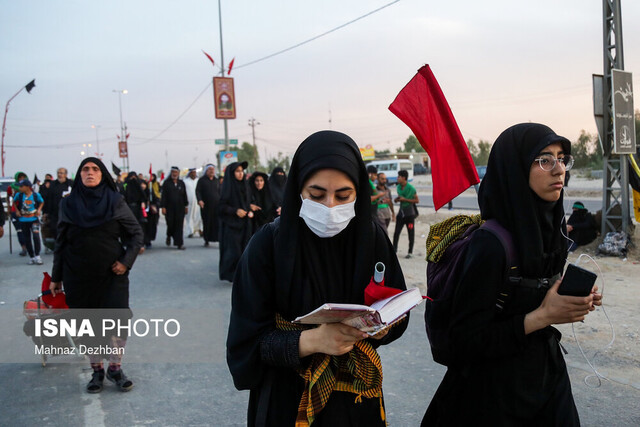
122,149
224,98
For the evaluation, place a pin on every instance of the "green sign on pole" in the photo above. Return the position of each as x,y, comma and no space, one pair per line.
231,142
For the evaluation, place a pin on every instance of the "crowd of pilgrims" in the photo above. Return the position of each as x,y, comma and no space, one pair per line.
227,211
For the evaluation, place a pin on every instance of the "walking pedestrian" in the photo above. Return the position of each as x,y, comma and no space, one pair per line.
386,212
408,199
98,241
135,196
28,206
154,208
60,188
277,183
175,206
264,210
322,249
12,192
507,367
235,215
149,220
194,218
375,195
208,196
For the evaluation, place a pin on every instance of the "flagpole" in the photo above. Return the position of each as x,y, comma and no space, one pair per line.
226,129
4,125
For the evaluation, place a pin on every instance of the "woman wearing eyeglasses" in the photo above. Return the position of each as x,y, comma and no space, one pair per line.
508,368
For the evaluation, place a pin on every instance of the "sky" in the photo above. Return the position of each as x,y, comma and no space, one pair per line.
498,62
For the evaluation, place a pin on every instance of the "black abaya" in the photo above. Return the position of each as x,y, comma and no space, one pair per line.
288,270
96,229
174,200
235,232
208,191
262,199
500,376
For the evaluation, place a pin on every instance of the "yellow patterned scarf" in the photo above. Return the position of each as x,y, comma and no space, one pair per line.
444,233
358,372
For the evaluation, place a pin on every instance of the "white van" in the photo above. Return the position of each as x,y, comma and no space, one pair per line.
391,167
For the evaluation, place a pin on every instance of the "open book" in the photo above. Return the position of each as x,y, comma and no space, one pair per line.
371,319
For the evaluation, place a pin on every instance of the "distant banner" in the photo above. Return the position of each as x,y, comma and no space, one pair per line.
624,130
224,98
226,158
636,204
122,149
368,153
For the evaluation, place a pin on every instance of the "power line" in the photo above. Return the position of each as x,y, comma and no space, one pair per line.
178,118
316,37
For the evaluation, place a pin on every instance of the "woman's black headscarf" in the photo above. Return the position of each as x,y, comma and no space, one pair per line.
506,196
234,192
261,197
133,191
277,183
89,207
345,260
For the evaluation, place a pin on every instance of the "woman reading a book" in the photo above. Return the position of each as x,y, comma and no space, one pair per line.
506,365
322,249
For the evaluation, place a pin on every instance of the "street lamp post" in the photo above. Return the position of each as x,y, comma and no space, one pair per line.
98,153
125,163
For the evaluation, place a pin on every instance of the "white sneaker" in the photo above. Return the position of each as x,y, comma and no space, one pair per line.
32,261
38,260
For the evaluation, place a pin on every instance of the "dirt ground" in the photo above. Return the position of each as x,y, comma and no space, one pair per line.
609,337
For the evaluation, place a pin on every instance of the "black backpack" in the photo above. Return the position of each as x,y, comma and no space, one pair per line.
443,276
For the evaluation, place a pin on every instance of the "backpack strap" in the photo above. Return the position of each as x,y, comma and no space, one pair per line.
511,273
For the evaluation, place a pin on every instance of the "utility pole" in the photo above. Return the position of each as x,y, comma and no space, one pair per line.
226,129
253,123
615,166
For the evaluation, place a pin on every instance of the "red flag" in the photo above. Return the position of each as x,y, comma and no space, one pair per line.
421,105
162,176
127,137
210,58
150,170
230,66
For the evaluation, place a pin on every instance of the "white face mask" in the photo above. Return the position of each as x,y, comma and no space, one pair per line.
324,221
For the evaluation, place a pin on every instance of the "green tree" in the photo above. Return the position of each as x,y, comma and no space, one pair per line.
248,153
411,144
479,153
279,161
382,153
586,151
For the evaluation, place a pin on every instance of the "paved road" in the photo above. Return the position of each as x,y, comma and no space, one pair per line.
201,392
469,201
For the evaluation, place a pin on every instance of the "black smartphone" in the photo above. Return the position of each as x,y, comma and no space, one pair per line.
577,281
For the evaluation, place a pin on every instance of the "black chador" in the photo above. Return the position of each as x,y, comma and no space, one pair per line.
174,200
208,192
261,199
96,228
289,270
235,221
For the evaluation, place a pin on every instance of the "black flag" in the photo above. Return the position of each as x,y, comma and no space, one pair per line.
30,85
115,169
35,178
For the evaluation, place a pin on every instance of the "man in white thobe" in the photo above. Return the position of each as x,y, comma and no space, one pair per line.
193,219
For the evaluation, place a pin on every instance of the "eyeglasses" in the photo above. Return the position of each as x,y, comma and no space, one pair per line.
547,162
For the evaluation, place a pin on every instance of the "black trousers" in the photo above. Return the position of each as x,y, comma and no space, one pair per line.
152,226
175,222
401,221
18,227
29,228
